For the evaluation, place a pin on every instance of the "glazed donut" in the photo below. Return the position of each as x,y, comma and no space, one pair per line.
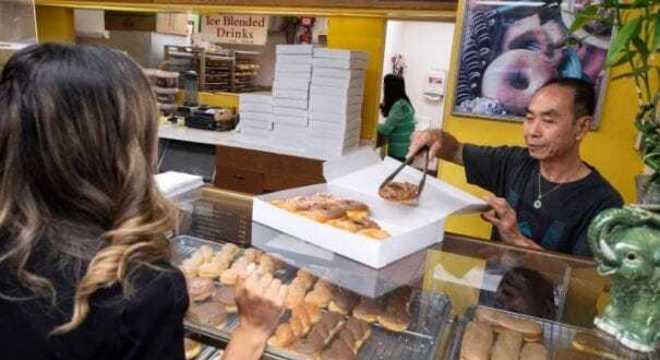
323,212
377,234
345,223
513,78
200,289
401,192
353,206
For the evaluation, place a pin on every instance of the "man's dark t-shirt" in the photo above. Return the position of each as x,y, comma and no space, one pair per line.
561,223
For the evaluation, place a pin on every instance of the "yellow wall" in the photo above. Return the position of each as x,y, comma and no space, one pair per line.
366,34
609,149
55,24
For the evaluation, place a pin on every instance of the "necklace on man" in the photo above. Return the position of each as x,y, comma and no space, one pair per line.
538,203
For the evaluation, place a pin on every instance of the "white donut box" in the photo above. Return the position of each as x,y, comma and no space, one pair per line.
357,176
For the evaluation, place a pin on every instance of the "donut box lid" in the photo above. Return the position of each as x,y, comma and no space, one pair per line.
357,176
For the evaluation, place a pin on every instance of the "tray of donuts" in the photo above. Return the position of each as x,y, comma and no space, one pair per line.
487,333
328,322
211,270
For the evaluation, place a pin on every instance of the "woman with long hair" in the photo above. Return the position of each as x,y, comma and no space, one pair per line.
399,117
84,254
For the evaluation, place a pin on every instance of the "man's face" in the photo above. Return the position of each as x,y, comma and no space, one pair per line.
550,128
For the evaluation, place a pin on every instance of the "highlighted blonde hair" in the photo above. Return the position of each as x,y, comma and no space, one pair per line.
78,148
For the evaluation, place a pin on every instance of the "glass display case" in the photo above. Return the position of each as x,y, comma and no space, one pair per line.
451,284
17,27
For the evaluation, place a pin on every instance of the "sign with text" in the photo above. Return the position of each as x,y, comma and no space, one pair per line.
236,29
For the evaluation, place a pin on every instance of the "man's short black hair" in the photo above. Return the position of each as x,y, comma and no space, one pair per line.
584,95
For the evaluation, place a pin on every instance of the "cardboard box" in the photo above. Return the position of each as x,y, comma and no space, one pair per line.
338,73
293,60
340,63
293,75
257,97
291,93
255,107
302,49
340,83
262,134
336,129
266,125
334,118
290,84
291,103
339,270
334,100
317,89
257,116
357,176
330,108
293,68
300,121
284,111
341,54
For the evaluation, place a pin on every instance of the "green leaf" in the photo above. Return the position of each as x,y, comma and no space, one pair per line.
655,43
584,16
640,45
624,58
623,37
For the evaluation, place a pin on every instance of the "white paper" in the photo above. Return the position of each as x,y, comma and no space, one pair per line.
297,121
294,68
321,90
172,183
291,84
266,125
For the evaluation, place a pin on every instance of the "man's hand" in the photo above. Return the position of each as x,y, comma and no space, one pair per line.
505,219
441,145
430,137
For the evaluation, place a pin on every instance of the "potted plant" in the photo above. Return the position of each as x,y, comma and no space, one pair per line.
634,48
626,242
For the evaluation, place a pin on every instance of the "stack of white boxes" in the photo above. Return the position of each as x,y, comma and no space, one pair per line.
256,114
336,96
293,73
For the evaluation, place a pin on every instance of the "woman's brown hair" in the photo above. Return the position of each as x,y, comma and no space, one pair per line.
78,148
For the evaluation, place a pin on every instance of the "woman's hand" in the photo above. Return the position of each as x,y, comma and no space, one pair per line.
260,300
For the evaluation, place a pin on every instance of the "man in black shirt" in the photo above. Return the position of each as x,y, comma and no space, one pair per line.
545,195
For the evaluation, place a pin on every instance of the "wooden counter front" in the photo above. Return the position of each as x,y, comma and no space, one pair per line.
258,172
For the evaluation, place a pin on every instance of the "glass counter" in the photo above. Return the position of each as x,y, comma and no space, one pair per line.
451,281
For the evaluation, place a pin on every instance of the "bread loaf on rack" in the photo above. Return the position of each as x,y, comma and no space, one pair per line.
369,309
396,316
477,341
321,295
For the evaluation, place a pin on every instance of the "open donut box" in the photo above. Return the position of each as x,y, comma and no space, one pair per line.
357,176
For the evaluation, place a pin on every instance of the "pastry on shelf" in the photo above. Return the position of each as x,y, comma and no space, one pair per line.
396,316
369,309
530,329
477,341
283,336
507,346
343,301
209,314
226,296
192,348
200,289
321,295
534,351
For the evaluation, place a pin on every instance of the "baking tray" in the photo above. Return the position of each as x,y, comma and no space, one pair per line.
430,314
556,336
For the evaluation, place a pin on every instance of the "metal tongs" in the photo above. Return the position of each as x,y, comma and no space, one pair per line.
409,161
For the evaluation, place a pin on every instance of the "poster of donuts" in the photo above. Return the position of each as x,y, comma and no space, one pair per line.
511,48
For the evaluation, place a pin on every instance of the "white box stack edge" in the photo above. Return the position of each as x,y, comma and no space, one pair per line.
336,96
256,114
293,74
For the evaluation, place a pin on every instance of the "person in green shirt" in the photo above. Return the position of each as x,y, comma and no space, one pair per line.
399,117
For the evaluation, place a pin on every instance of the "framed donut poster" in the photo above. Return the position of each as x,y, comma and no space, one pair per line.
510,48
